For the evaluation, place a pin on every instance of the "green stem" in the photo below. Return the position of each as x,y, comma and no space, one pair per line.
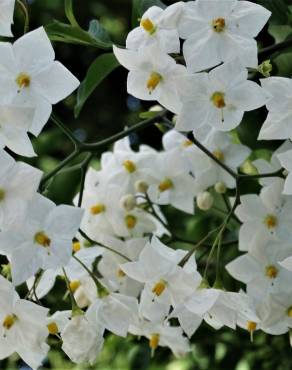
26,15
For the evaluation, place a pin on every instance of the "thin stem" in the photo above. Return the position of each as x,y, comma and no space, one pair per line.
274,48
26,15
66,130
84,168
93,242
90,273
278,173
73,300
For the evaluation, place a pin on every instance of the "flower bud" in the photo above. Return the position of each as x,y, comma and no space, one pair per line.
141,186
156,108
265,68
205,201
220,188
128,202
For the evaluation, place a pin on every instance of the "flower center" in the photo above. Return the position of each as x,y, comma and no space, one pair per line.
23,80
130,221
42,239
166,184
159,287
2,194
218,99
129,166
251,326
74,285
153,81
148,26
9,321
154,341
218,25
187,143
97,209
219,155
120,273
289,312
53,328
76,246
271,221
271,272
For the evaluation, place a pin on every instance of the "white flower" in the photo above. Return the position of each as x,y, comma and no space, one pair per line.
277,125
157,26
23,327
31,77
152,75
285,160
218,98
18,183
265,216
6,17
218,30
83,337
42,238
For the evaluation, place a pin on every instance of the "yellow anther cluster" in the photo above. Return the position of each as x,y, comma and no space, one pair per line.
9,321
271,221
53,328
120,273
153,81
74,285
148,25
251,326
130,221
129,166
219,25
154,341
289,312
271,272
218,99
2,194
166,184
42,239
76,246
97,209
159,288
219,155
187,143
23,80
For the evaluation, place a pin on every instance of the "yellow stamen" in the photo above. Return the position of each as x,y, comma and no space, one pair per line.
271,272
97,209
153,81
154,341
9,321
251,327
42,239
76,247
130,221
2,194
53,328
218,25
159,288
129,166
148,26
120,273
187,143
271,221
23,80
289,312
74,285
219,155
218,99
166,184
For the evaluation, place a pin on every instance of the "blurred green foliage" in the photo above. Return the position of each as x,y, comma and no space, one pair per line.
107,110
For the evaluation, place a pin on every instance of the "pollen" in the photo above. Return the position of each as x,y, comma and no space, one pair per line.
130,221
289,312
97,209
2,195
271,272
218,99
271,221
159,288
129,166
9,321
219,25
53,328
42,239
166,184
153,81
23,80
120,273
74,285
251,326
187,143
219,155
148,26
154,341
76,246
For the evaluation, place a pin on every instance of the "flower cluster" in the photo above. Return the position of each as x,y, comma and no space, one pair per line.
112,249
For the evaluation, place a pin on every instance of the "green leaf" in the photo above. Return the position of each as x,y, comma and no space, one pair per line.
70,14
139,7
97,72
147,115
62,32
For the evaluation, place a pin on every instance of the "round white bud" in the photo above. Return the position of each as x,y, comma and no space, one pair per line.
141,186
220,188
128,202
205,201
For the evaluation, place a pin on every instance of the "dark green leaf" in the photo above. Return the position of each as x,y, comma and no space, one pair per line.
62,32
97,72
